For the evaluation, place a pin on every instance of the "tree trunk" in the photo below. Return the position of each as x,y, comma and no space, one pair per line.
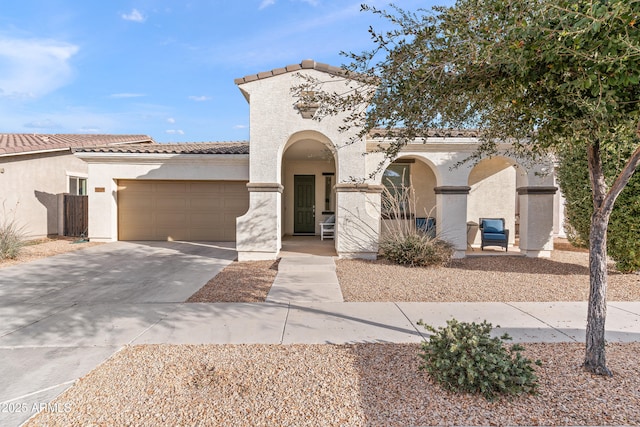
603,201
595,358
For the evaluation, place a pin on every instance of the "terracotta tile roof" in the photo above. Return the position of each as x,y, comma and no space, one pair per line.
307,64
434,133
16,143
182,148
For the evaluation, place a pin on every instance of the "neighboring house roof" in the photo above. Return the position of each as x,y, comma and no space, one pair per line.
433,133
15,143
307,64
182,148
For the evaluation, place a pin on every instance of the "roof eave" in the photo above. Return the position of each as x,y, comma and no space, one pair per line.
99,157
26,153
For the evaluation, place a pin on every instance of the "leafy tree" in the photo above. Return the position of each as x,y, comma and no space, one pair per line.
542,73
623,236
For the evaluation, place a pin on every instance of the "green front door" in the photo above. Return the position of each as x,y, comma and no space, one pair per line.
304,200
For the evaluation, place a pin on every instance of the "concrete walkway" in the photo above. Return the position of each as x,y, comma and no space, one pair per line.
55,327
308,278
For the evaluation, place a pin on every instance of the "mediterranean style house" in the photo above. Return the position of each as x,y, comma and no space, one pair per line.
36,170
296,172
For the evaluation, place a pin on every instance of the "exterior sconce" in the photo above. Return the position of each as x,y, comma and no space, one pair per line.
307,105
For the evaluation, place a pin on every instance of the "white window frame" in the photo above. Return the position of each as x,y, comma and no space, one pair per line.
78,177
401,179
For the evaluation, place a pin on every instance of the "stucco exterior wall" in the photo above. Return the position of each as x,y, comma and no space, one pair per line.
104,173
30,186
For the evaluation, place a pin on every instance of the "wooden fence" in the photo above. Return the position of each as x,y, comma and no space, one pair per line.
76,215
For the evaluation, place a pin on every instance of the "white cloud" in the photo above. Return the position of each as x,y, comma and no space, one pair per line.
43,124
240,126
171,120
134,16
33,67
267,3
200,98
175,131
88,129
126,95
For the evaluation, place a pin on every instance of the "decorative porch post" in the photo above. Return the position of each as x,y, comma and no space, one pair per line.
259,231
536,220
451,226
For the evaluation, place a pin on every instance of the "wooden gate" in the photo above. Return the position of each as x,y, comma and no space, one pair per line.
76,215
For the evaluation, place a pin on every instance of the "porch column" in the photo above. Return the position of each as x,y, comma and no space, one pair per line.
357,220
258,232
451,223
536,220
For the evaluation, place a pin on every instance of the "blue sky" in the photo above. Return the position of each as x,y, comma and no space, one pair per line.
161,67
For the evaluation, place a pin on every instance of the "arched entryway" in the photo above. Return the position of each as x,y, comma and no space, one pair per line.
493,183
308,175
417,176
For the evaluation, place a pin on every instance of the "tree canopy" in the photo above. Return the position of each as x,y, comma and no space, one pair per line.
541,74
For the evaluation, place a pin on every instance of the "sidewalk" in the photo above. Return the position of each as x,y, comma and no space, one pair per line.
340,323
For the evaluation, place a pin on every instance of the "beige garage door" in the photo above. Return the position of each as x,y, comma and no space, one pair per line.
180,210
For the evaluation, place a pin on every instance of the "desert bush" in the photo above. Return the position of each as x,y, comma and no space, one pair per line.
463,357
415,249
401,242
11,239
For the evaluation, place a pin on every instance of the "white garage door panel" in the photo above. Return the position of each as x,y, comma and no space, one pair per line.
180,210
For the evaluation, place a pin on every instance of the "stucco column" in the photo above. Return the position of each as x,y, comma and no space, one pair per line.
451,224
258,232
536,220
357,220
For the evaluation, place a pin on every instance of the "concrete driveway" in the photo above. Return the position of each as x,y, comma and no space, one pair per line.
63,315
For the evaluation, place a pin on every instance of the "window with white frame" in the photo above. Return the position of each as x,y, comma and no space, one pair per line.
328,207
77,186
397,180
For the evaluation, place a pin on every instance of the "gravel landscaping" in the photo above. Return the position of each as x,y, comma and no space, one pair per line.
563,277
239,282
327,385
43,248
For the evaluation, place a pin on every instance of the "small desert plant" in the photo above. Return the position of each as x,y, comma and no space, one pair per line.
415,249
11,237
401,242
463,357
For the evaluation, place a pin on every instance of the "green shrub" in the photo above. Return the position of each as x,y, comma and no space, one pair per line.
11,239
463,357
623,234
415,249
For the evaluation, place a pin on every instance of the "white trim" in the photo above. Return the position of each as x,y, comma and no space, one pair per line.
143,158
77,174
26,153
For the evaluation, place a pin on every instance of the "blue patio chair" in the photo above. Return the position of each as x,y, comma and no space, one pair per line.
427,225
493,233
